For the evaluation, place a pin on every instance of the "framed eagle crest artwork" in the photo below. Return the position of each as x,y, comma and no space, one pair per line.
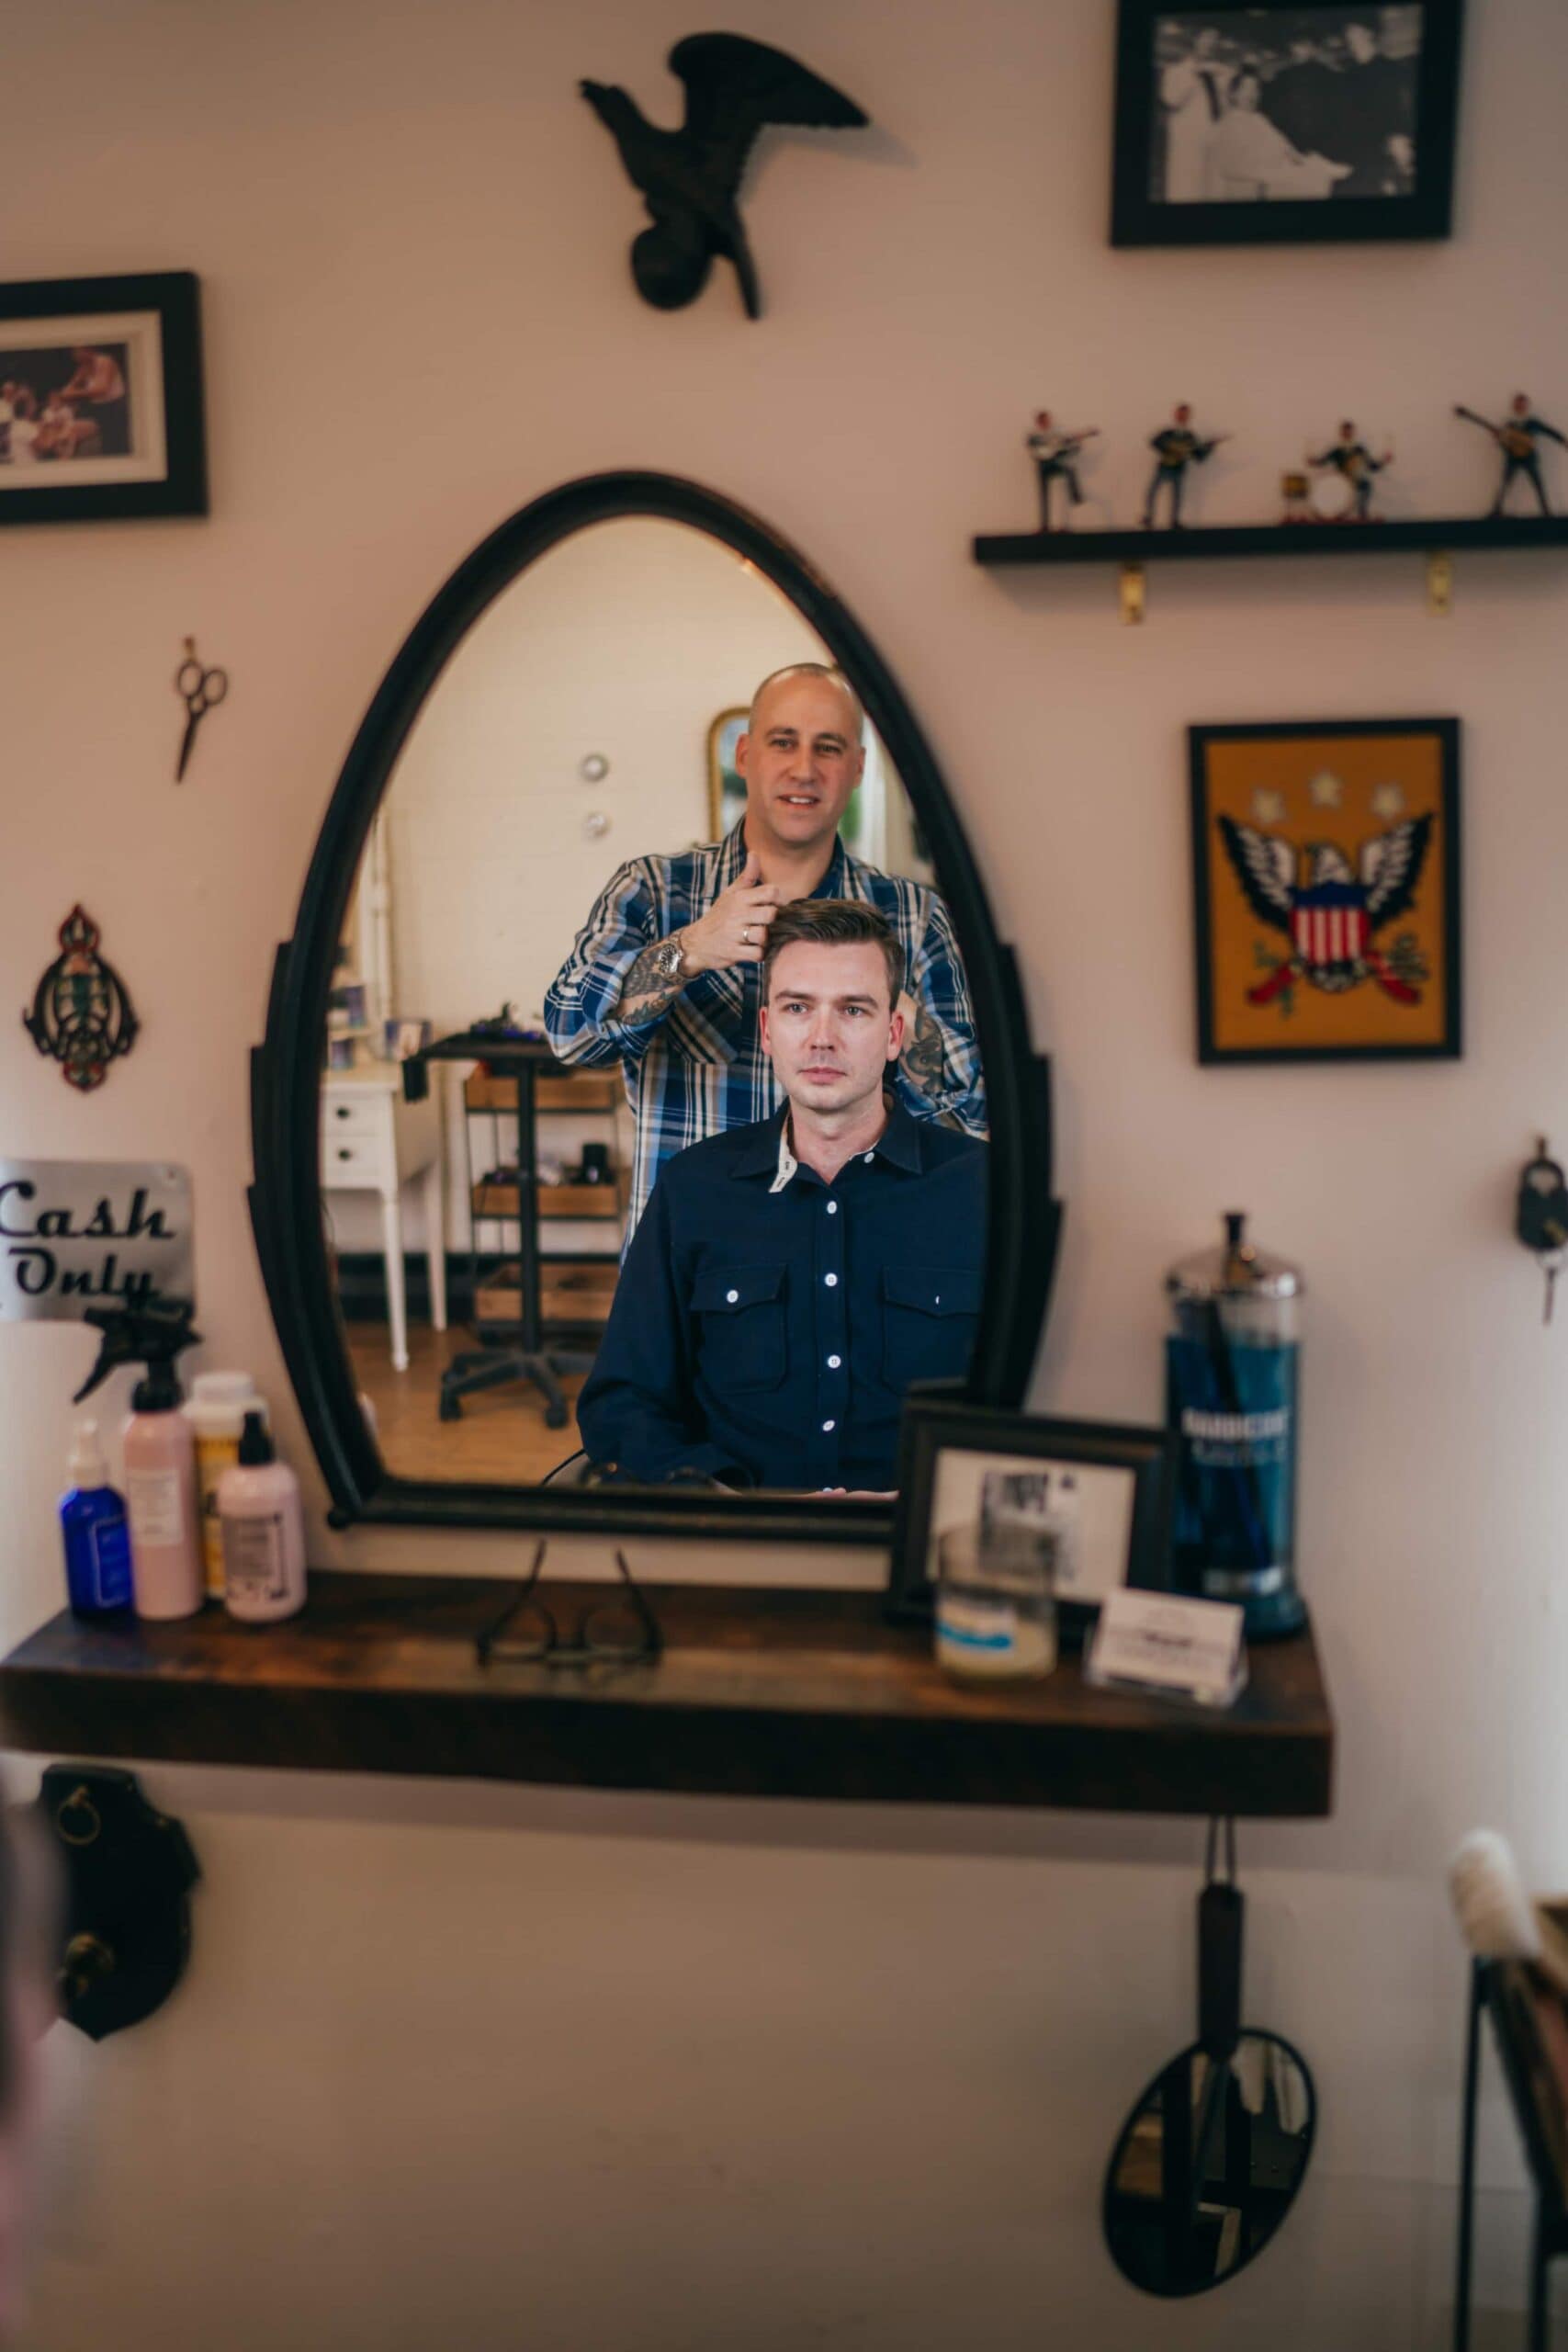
1326,868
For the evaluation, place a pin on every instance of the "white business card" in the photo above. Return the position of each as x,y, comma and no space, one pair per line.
1161,1642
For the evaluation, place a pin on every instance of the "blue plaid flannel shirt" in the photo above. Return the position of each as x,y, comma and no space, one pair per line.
698,1068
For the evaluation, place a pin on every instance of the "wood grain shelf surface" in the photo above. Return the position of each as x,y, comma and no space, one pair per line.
758,1693
505,1201
1272,538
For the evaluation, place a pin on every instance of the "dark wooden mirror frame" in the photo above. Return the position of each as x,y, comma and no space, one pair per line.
285,1197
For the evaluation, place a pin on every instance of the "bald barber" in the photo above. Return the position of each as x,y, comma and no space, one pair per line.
664,974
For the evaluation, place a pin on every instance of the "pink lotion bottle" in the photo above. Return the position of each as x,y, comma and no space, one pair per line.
161,1497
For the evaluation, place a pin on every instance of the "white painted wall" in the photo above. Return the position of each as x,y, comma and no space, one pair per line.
625,641
513,2067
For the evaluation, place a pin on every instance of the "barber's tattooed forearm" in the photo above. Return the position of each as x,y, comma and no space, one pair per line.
646,990
924,1060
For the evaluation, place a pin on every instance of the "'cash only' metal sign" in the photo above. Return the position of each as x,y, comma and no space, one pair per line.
80,1233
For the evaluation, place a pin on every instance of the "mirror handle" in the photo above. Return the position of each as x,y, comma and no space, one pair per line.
1221,1918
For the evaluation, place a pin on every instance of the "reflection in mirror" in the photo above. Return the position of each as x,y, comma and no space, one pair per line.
1209,2164
641,825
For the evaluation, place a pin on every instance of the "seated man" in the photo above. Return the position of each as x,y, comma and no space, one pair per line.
790,1278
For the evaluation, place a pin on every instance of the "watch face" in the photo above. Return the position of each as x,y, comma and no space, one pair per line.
669,959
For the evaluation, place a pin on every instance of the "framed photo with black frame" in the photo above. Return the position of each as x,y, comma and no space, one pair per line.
1326,890
101,412
1093,1497
1284,122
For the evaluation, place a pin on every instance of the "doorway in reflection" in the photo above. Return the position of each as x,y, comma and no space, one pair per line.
582,768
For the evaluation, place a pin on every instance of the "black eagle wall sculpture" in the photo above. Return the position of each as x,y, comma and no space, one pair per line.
690,178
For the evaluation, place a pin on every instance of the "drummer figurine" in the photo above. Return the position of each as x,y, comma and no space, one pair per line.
1055,454
1357,467
1176,446
1518,438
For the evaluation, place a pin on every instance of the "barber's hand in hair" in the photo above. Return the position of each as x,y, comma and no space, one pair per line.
735,928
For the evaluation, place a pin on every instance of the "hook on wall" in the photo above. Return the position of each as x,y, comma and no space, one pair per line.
127,1870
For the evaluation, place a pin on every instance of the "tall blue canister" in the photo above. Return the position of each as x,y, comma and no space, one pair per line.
1232,1369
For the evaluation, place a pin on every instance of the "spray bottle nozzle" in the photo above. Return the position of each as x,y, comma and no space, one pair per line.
152,1331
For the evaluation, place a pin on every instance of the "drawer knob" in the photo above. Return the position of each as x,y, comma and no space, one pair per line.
343,1111
345,1153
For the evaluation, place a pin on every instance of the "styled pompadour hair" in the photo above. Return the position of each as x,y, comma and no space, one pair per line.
833,923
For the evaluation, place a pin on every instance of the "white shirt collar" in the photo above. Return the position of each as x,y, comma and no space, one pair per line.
789,1164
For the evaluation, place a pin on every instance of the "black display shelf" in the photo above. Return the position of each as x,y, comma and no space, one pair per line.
1447,538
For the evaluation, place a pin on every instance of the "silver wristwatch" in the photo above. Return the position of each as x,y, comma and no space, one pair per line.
670,958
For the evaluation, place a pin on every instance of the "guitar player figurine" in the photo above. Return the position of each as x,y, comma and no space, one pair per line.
1055,456
1518,437
1176,446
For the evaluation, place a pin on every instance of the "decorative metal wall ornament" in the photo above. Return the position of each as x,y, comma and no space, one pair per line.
691,178
81,1014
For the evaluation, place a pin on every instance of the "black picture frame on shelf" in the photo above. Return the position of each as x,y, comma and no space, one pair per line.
1203,109
101,412
949,1445
1369,812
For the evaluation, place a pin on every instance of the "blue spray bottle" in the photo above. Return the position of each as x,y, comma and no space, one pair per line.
98,1541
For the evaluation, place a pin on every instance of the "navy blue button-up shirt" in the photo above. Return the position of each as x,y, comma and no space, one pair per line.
766,1325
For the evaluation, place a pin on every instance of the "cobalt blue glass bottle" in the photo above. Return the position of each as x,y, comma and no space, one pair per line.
1231,1399
98,1541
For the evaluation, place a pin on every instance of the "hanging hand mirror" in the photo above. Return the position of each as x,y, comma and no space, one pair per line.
1210,2160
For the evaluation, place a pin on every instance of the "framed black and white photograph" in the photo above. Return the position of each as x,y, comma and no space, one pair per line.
101,412
981,1489
1285,124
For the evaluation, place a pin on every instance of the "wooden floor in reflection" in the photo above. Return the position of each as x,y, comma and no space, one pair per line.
501,1437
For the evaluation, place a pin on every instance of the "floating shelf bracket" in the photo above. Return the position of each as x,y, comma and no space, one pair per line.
1440,583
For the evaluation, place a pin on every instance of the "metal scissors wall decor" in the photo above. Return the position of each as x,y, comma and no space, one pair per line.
202,690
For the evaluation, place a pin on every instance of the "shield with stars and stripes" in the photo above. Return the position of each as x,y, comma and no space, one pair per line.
1329,929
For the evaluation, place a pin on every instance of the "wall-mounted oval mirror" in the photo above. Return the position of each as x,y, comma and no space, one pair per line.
645,1101
1209,2164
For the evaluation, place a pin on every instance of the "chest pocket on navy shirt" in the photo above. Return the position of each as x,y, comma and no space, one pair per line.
741,1330
929,1314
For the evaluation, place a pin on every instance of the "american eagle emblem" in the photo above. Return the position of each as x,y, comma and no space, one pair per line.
1330,911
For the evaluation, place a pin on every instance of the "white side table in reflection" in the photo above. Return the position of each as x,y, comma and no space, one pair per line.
372,1141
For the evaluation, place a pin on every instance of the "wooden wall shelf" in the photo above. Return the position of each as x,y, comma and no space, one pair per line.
758,1693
